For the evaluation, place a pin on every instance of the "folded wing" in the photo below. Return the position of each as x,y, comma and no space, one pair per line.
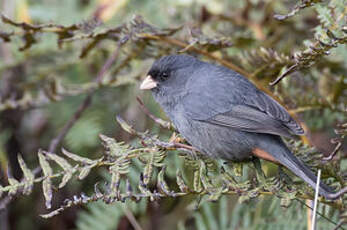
228,99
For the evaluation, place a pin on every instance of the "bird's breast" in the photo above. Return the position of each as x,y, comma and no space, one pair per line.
212,140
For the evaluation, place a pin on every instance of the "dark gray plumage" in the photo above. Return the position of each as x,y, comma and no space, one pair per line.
223,115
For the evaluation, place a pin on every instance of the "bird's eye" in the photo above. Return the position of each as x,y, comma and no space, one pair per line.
164,75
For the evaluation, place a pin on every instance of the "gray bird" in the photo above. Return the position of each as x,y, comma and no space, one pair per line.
223,115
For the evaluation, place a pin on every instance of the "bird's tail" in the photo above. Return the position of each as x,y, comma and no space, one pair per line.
287,158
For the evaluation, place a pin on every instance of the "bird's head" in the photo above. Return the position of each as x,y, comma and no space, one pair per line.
169,73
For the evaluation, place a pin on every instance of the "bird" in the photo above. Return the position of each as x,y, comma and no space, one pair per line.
223,115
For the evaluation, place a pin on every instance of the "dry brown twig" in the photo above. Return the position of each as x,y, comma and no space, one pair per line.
338,146
159,121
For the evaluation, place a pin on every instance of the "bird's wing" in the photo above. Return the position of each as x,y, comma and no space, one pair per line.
228,99
250,119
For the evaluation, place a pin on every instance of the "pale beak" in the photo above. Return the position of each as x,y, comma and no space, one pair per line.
148,83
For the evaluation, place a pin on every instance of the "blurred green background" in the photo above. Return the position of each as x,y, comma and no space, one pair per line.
45,67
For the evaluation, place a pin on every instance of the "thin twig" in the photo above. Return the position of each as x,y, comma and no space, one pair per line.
161,122
283,75
334,152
